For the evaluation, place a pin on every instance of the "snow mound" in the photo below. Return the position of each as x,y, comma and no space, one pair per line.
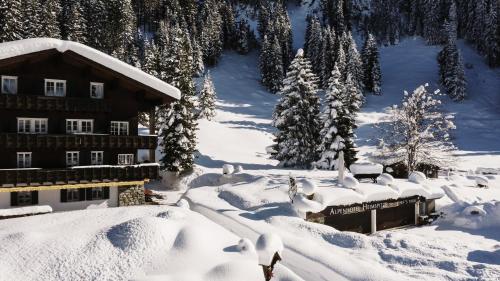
183,203
238,169
366,168
302,204
482,181
267,246
350,181
417,177
227,169
139,235
22,211
385,179
173,214
308,186
236,270
476,216
246,246
190,238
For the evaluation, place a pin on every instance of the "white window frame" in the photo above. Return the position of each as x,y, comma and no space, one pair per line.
26,158
72,162
32,125
98,85
55,81
126,159
119,128
94,158
79,126
4,77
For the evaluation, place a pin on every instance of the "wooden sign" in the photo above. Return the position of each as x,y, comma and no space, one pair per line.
376,205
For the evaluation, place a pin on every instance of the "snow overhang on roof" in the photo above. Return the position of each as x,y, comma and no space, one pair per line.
28,46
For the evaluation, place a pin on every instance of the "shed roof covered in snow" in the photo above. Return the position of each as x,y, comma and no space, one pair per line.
9,50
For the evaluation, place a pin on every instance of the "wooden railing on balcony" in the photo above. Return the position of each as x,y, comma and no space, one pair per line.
29,141
78,175
43,103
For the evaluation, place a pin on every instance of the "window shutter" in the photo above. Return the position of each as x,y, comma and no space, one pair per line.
81,194
13,199
64,195
105,192
89,194
34,197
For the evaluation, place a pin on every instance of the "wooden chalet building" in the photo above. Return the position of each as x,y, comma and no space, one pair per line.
69,126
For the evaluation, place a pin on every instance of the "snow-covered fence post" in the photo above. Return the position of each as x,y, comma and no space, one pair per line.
292,190
341,165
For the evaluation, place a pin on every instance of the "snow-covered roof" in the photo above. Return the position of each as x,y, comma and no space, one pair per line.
28,46
366,192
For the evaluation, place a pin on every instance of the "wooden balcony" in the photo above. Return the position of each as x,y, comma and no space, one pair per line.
43,103
98,174
77,142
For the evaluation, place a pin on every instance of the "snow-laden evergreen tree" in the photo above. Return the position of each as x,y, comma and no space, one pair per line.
432,23
340,59
418,132
283,29
328,55
242,37
492,35
31,19
334,116
229,27
354,65
315,44
179,124
95,15
264,18
11,21
198,65
120,28
371,65
451,69
49,23
478,31
75,25
211,32
271,64
207,98
297,116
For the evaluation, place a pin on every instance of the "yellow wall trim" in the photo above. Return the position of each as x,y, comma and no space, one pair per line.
72,186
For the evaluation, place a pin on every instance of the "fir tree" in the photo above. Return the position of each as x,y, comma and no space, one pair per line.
229,27
333,117
243,37
271,64
120,29
178,126
354,65
76,25
296,116
207,98
371,65
10,20
328,55
492,35
49,23
211,32
95,15
314,45
31,19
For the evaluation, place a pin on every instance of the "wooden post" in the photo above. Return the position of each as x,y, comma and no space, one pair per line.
341,168
152,131
373,221
417,212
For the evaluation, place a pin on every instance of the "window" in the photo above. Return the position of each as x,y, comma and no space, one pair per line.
32,125
56,88
125,159
96,90
72,158
97,193
24,198
119,128
79,126
73,195
96,157
24,159
9,85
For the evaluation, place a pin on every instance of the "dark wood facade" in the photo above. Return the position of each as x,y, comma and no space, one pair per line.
123,100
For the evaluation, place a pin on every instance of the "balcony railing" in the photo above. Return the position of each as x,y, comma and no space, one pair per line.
29,141
89,174
43,103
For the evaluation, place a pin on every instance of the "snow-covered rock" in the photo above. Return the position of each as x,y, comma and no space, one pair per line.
227,169
366,168
267,246
308,186
482,181
350,181
385,179
417,177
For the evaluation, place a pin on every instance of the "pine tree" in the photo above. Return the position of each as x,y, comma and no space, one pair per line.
120,28
328,55
10,20
264,18
207,98
354,65
283,29
371,65
49,23
211,32
432,24
271,64
198,66
179,125
76,25
492,35
296,116
242,37
315,44
229,27
31,19
333,117
95,15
